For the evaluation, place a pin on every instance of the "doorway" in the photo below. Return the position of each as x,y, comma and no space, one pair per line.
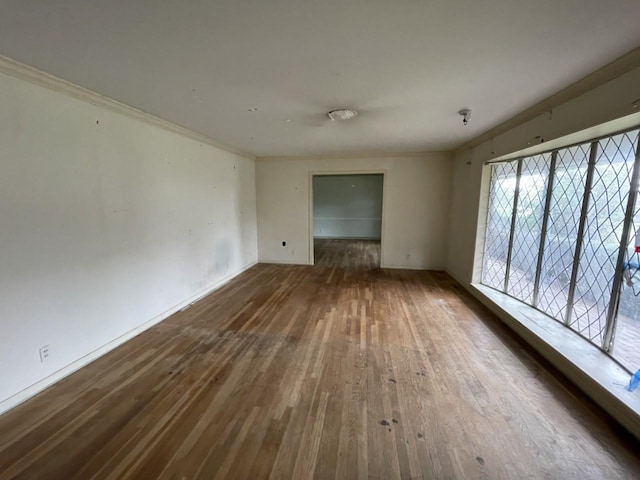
346,220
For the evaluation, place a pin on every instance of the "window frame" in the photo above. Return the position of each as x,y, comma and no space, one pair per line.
631,203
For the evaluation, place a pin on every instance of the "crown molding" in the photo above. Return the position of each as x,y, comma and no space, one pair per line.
32,75
357,155
618,67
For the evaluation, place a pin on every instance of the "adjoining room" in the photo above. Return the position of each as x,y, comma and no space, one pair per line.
347,218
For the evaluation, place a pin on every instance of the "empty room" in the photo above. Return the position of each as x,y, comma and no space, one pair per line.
254,239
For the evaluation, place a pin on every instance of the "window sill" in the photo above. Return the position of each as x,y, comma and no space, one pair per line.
592,370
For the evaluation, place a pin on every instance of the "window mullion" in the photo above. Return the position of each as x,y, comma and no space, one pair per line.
583,220
543,232
612,312
516,193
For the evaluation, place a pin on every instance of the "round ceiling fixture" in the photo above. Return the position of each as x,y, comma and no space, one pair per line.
342,114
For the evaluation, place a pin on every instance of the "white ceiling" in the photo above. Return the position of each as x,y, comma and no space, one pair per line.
407,66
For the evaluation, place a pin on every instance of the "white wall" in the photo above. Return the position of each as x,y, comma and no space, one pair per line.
347,206
106,225
610,102
415,205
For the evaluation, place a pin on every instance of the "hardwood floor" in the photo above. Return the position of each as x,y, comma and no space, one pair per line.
351,254
330,371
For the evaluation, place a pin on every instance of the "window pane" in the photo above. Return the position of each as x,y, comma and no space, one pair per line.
562,229
602,235
528,226
626,347
627,334
503,184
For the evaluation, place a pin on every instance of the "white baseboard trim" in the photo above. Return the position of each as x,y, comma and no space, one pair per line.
333,237
386,265
408,267
55,377
283,262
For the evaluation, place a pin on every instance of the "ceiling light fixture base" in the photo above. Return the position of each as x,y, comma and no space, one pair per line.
466,115
341,114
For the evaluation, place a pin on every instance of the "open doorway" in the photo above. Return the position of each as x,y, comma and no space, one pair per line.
347,219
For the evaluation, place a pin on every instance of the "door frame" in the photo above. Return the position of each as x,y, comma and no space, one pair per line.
375,171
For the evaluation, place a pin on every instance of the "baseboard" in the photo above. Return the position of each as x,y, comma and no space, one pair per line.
345,238
408,267
55,377
396,267
283,262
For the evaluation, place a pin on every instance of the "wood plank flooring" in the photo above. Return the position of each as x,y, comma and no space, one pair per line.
351,254
331,371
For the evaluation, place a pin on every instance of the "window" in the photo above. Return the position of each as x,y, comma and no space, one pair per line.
560,236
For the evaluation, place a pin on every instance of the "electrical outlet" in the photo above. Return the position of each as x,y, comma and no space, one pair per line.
44,353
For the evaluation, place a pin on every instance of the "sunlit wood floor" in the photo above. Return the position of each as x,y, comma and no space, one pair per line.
330,371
